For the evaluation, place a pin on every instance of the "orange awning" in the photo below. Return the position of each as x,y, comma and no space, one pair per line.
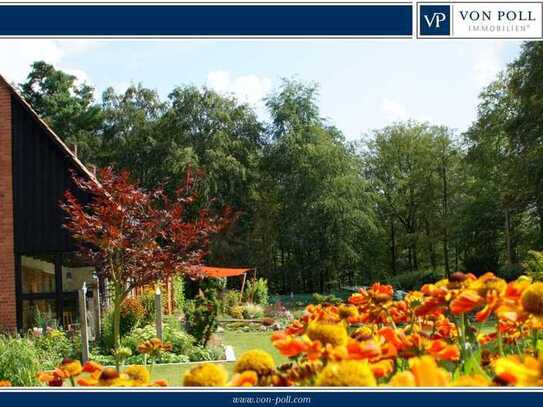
223,271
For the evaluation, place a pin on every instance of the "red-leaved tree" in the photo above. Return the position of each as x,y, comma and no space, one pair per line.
137,237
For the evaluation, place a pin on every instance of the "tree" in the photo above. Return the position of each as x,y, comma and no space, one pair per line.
66,105
137,237
414,171
316,201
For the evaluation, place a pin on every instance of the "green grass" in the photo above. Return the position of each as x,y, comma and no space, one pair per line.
241,341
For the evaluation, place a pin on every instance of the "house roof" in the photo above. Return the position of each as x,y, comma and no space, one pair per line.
54,137
223,271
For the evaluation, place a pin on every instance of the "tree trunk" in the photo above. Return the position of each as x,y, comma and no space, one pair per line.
508,239
393,245
539,205
445,221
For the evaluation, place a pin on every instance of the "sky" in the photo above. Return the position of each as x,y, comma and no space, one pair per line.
363,84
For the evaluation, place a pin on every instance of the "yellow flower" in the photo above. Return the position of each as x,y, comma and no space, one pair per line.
345,311
138,373
352,373
514,370
245,379
206,375
471,381
427,373
327,333
532,299
424,372
108,377
256,360
71,367
403,379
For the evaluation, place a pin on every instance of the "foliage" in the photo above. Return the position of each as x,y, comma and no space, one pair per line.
326,299
533,266
201,315
252,311
318,212
181,342
411,280
199,353
178,288
132,313
54,345
65,104
137,237
257,291
236,311
19,361
230,300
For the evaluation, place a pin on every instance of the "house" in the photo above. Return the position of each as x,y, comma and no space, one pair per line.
39,274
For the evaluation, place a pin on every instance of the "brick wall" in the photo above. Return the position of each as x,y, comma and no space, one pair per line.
7,258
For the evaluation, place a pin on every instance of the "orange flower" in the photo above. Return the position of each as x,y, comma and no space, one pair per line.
382,368
427,373
363,350
444,329
441,350
466,301
288,345
5,383
160,383
87,382
244,379
518,371
91,367
71,367
154,345
296,328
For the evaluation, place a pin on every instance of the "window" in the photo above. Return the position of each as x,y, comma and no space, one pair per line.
39,313
38,274
47,289
75,272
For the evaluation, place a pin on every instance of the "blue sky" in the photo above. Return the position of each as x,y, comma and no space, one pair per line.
364,84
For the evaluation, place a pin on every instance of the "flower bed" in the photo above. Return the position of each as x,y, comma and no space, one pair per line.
462,331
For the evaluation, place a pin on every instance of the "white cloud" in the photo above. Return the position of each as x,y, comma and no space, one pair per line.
396,111
393,110
488,62
247,88
21,53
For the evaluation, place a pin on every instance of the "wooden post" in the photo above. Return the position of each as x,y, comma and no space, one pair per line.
243,286
83,323
158,313
97,307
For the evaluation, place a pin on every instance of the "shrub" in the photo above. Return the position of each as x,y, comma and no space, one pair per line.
53,346
414,279
236,312
19,361
178,287
230,299
201,354
201,317
182,342
253,311
147,299
257,291
326,299
132,314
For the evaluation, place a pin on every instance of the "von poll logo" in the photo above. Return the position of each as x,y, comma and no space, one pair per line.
435,20
520,20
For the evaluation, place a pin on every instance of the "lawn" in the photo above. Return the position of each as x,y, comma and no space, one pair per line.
241,341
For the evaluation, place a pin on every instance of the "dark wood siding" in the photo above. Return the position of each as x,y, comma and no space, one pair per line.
41,174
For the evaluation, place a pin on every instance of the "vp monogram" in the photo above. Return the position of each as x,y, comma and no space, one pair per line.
435,20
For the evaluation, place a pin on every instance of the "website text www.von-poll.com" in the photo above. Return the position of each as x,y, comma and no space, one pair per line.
271,400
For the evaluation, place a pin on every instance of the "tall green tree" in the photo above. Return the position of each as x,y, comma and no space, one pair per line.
65,104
